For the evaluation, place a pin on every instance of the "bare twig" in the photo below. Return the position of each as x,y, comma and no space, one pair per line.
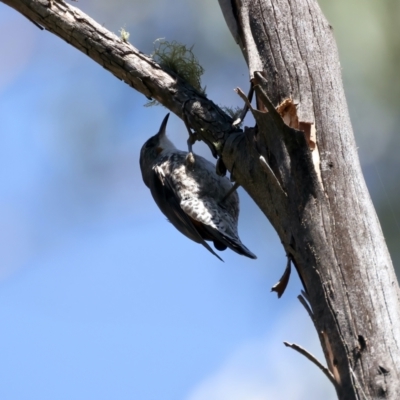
305,295
310,357
305,304
267,169
247,103
281,285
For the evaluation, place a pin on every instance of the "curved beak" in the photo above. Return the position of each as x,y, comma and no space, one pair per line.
163,126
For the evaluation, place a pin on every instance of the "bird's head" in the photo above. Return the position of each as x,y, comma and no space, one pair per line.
154,147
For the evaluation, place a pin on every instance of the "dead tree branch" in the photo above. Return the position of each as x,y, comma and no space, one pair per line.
130,65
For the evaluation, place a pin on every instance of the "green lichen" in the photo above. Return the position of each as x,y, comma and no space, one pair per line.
124,35
179,59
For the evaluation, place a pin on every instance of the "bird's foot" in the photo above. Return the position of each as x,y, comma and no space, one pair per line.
192,135
230,191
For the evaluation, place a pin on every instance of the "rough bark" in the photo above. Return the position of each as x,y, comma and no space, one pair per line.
325,219
308,182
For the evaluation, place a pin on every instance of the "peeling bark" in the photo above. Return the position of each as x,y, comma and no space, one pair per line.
299,164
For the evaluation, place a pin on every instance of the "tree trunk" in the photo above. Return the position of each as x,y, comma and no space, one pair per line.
325,217
299,164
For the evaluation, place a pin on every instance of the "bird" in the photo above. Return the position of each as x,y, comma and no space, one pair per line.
188,191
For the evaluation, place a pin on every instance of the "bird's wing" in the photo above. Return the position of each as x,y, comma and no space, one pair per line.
216,223
165,195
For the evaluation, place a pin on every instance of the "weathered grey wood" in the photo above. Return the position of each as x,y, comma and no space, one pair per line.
314,193
129,65
326,222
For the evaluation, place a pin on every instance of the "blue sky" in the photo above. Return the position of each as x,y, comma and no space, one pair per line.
100,297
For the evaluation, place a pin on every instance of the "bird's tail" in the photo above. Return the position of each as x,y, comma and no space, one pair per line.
238,247
224,241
